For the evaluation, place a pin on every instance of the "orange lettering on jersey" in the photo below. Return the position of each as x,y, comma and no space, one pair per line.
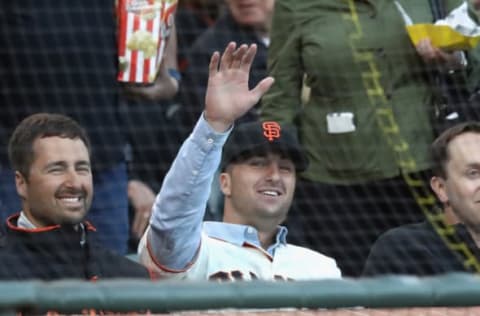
220,276
234,275
277,277
271,130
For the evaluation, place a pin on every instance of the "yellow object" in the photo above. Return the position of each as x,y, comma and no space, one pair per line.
441,36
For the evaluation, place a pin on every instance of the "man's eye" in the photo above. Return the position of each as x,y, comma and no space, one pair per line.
257,162
473,173
287,168
54,169
83,169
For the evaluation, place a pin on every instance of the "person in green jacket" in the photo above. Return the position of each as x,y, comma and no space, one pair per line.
365,124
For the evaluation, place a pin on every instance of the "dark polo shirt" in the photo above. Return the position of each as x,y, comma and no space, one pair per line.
417,249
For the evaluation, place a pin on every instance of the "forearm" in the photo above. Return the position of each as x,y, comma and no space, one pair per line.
175,227
179,207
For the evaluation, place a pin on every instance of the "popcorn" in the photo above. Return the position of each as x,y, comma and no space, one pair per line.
143,41
143,30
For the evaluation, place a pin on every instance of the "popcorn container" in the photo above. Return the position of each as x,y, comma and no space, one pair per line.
143,30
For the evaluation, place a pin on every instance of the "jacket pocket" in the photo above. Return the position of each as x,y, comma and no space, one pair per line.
353,153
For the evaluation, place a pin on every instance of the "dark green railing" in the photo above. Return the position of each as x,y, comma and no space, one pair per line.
129,295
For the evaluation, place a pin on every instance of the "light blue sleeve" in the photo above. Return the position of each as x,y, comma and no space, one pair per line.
180,205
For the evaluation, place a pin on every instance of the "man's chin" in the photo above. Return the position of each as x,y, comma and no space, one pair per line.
73,218
274,212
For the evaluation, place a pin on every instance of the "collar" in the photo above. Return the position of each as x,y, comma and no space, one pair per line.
243,234
20,225
24,222
19,222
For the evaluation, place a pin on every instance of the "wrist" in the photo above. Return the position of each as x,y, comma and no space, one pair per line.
175,74
219,126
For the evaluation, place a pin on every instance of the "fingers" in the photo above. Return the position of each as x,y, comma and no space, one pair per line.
238,56
227,56
233,58
140,223
213,67
247,59
424,47
428,52
262,87
142,198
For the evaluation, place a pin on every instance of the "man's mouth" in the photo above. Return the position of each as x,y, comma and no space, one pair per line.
270,192
72,201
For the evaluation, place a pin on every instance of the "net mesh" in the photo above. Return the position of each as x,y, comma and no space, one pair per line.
61,57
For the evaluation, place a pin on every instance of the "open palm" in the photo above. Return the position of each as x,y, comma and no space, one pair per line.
228,97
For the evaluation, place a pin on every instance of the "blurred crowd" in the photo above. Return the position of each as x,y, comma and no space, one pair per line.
364,102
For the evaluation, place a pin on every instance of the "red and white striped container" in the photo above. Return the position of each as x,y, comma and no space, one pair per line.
143,29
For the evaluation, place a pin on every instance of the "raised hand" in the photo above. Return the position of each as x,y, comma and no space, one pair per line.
228,97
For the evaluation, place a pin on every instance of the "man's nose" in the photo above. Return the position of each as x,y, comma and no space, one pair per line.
273,171
72,178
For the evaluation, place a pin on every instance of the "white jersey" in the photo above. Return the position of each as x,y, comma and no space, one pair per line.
178,244
219,259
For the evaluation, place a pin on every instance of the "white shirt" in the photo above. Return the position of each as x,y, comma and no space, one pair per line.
179,245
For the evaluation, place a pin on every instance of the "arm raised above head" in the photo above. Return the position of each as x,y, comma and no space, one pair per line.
174,235
228,97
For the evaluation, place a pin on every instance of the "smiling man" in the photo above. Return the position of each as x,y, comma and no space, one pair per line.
56,199
49,238
259,163
418,248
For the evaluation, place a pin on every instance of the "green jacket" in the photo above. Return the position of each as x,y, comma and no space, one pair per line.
367,116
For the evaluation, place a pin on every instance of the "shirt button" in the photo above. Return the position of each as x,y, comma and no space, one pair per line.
210,141
194,172
250,230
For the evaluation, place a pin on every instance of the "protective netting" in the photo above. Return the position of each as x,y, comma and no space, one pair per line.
61,56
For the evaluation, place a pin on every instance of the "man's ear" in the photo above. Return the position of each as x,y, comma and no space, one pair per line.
21,184
438,186
225,183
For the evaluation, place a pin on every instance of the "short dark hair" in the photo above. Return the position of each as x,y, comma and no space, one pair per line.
439,148
40,125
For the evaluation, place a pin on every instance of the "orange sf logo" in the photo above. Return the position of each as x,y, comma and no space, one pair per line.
271,130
